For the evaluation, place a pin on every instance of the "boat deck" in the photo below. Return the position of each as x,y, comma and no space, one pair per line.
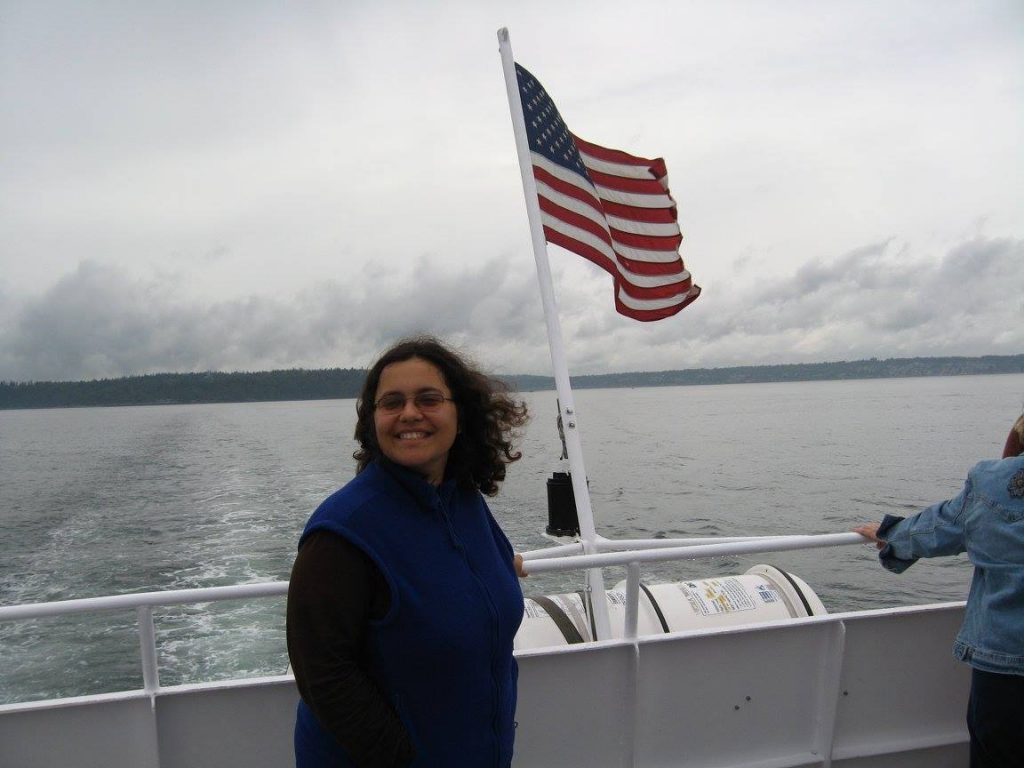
874,688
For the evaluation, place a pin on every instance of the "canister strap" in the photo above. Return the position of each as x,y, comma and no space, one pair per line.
657,608
563,622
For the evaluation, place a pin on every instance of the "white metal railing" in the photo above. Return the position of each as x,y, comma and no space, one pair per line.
143,603
559,558
601,544
659,550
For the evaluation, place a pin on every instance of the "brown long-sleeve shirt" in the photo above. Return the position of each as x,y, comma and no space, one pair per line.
335,591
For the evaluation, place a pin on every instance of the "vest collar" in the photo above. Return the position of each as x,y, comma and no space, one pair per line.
416,486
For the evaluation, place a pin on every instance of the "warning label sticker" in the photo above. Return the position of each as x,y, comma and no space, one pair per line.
533,611
767,594
715,596
572,605
616,598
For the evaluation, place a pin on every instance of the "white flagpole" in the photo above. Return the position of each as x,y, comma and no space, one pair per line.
567,408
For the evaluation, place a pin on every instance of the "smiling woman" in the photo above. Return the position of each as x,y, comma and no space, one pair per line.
486,416
415,420
403,601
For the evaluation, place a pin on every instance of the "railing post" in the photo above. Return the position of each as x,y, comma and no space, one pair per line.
147,646
629,632
831,685
632,600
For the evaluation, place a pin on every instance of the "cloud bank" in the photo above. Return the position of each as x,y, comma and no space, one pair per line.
879,300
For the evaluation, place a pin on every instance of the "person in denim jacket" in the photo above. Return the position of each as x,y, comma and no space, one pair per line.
985,520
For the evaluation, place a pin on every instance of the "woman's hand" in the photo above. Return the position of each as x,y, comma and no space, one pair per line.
520,569
870,531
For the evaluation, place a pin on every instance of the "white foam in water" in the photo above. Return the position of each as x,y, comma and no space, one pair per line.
101,501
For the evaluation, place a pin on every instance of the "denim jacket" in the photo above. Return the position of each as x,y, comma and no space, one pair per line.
985,520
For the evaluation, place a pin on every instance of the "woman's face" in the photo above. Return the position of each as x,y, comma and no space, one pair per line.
411,437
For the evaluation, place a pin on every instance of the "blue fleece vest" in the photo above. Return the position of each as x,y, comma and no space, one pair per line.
443,652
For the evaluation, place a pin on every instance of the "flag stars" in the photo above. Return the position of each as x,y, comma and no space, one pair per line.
545,128
550,138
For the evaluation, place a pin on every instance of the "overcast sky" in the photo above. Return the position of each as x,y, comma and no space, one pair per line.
251,185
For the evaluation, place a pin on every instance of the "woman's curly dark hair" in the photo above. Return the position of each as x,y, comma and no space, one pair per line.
488,416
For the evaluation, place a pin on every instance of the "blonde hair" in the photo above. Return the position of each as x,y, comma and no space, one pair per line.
1018,427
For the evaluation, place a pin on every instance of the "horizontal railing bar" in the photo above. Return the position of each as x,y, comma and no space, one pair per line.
537,564
138,599
558,551
618,545
777,544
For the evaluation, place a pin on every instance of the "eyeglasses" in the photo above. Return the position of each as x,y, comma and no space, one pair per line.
426,402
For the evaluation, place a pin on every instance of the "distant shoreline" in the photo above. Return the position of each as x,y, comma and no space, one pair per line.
344,383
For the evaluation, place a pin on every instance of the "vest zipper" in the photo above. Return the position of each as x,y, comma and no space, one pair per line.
493,610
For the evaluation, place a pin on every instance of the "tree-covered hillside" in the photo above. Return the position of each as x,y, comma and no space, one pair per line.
329,383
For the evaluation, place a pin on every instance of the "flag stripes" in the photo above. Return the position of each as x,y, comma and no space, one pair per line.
609,207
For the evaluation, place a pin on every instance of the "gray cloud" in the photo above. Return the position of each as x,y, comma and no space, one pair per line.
96,323
261,146
879,300
883,287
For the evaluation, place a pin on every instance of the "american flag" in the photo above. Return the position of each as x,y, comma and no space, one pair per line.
609,207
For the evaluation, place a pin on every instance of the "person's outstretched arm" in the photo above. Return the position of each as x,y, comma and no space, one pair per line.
933,532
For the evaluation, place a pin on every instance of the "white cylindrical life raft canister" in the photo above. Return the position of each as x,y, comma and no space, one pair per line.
763,593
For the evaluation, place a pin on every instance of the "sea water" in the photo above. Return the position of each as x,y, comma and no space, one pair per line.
98,501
